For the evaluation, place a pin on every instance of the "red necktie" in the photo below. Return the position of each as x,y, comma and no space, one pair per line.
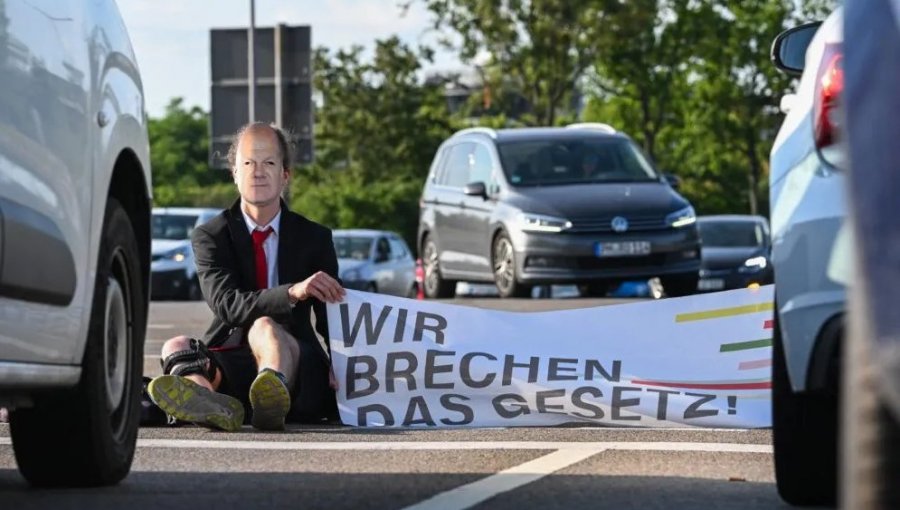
262,269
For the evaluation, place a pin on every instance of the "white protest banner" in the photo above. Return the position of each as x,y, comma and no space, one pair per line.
700,360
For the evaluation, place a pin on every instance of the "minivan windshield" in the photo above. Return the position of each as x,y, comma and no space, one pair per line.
175,227
353,247
574,160
731,234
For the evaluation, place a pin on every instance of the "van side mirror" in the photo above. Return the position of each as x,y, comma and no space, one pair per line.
789,48
476,189
673,180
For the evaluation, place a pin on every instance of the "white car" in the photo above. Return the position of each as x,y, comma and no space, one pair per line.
173,274
74,239
375,261
810,249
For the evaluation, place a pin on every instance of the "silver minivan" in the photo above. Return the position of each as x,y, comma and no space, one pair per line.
542,206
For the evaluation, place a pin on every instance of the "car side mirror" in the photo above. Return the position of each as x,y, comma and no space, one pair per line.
789,48
476,189
673,180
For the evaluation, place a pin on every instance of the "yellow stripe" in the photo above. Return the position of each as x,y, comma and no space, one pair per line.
724,312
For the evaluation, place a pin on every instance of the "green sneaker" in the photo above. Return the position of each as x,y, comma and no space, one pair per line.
188,401
270,400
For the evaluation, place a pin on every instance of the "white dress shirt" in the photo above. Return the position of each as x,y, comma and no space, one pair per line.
270,245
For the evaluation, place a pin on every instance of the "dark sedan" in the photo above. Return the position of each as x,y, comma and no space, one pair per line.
735,252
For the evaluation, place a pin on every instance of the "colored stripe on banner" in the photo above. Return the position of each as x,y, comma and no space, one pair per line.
743,346
724,312
755,384
758,363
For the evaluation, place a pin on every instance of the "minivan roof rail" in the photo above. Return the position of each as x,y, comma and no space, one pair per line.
482,130
593,125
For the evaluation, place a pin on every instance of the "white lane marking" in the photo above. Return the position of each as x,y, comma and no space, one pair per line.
161,326
449,445
473,493
658,446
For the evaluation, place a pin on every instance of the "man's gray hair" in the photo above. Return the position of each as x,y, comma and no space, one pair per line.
287,161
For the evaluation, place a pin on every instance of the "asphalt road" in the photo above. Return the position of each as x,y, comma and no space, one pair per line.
340,467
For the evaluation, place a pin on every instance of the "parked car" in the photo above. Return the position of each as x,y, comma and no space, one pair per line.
173,272
74,240
375,261
808,212
542,206
734,253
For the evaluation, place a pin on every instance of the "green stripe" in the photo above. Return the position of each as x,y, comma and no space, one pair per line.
743,346
724,312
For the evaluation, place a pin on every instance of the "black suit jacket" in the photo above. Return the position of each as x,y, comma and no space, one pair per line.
223,251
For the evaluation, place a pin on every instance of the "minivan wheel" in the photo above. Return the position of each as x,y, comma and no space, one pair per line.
86,436
436,287
677,285
503,262
804,436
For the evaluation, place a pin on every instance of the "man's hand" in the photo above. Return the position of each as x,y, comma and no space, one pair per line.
320,286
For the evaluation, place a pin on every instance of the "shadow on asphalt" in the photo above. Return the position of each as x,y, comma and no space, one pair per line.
196,491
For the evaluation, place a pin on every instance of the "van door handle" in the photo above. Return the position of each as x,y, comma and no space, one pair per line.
462,205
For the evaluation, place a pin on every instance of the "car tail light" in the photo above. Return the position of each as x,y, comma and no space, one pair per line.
829,87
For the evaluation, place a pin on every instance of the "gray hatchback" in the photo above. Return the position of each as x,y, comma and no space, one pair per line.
537,206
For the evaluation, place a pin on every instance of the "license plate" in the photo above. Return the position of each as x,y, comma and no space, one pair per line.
622,249
711,284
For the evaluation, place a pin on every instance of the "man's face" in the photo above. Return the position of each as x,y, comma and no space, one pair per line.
258,173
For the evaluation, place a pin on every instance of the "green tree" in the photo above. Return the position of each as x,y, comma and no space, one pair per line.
545,46
179,152
376,131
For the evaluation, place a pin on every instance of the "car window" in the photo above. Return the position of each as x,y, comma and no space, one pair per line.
458,168
482,165
398,248
440,165
574,161
352,247
731,234
175,227
382,250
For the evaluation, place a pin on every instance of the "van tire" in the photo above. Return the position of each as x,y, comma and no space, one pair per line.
503,266
435,286
678,285
804,436
85,436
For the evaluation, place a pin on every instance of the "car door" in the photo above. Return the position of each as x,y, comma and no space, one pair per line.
381,262
450,222
47,131
476,215
403,266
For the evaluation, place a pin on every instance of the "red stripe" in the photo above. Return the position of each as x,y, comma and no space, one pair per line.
767,324
762,385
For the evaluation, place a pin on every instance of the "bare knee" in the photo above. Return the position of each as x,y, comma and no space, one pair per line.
263,332
178,343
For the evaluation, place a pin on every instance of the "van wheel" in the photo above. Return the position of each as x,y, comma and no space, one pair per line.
503,262
86,436
677,285
804,436
436,287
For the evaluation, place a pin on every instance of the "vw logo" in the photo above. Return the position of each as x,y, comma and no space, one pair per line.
619,224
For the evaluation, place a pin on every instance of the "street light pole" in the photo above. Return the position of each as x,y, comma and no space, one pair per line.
251,64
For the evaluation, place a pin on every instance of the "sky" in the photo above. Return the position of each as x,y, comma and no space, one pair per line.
171,37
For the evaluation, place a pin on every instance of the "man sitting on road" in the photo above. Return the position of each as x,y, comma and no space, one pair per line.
267,341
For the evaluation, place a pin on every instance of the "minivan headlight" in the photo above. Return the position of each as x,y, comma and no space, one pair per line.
178,254
540,223
682,217
754,264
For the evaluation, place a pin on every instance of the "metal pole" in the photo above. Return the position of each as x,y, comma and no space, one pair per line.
279,79
251,64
